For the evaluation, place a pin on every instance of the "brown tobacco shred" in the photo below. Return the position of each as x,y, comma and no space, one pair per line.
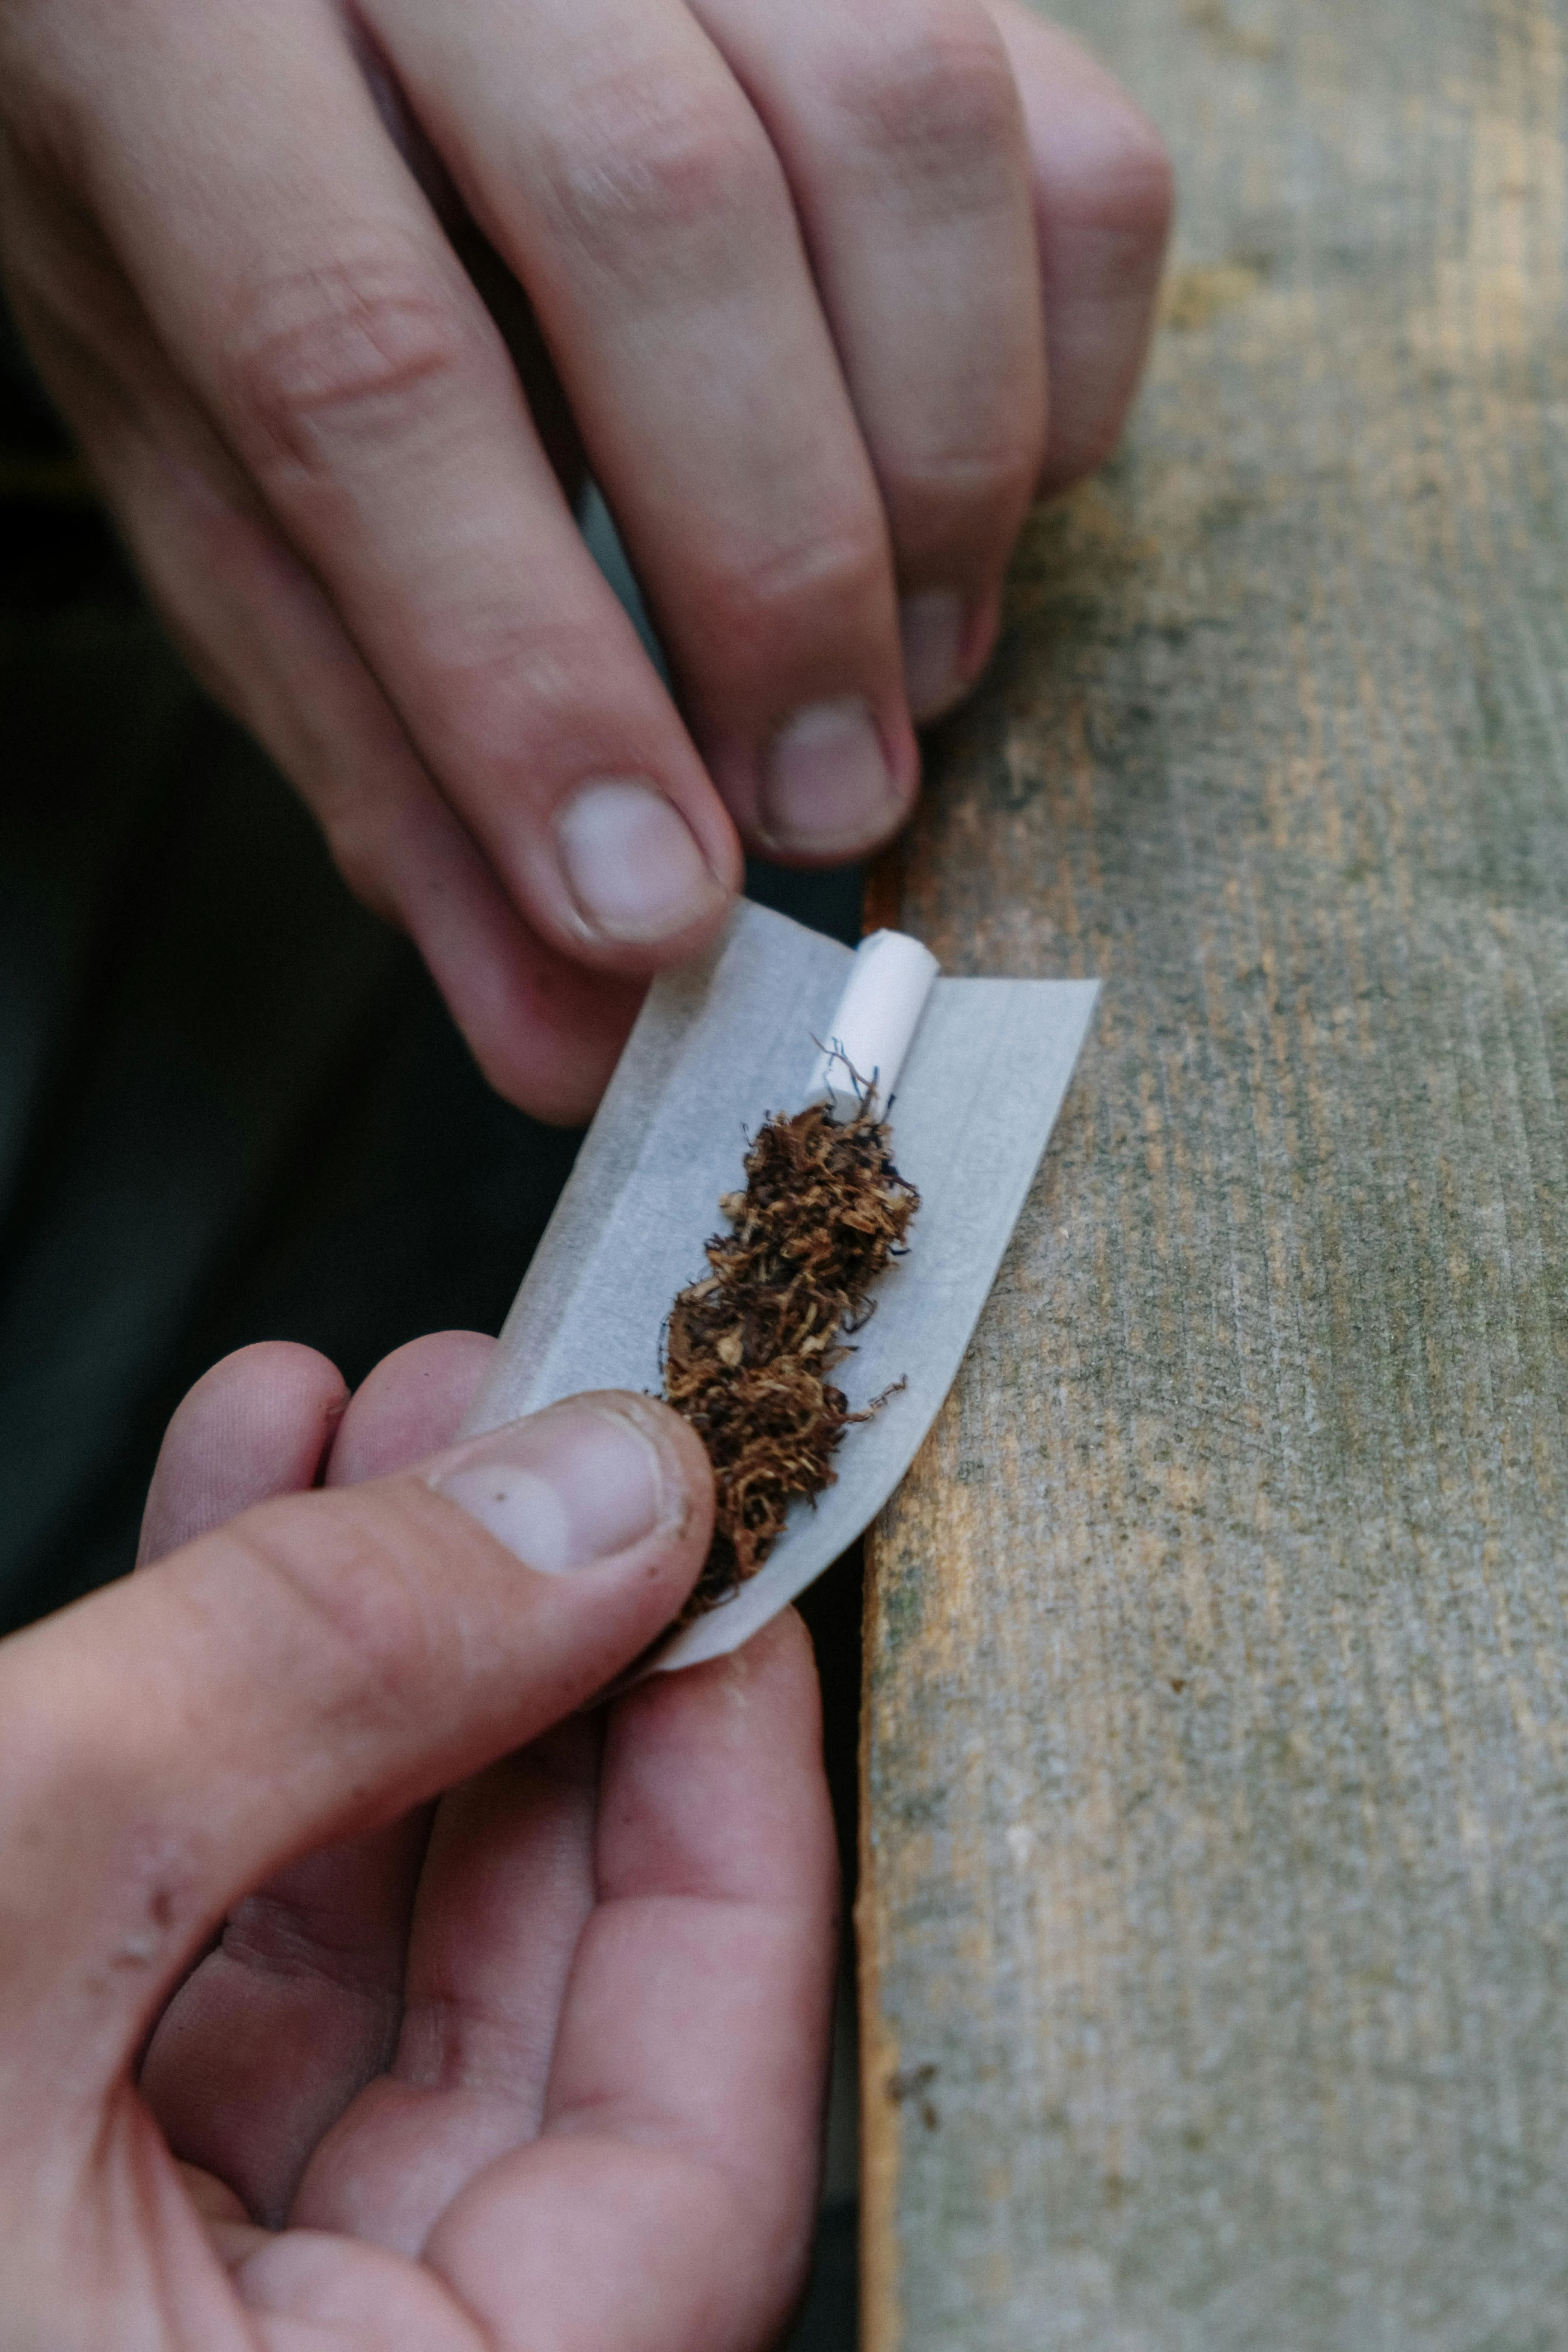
748,1350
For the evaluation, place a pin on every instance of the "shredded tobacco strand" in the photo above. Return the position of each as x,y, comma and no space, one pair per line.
748,1350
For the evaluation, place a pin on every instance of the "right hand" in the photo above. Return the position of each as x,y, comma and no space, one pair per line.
787,272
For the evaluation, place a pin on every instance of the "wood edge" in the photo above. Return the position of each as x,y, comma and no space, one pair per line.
881,2314
882,893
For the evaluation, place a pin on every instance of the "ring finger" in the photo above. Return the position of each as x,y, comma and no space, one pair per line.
900,125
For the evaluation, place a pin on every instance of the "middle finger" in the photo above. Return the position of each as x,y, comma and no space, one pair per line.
611,155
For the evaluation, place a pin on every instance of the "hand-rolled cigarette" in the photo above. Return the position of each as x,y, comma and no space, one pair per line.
750,1348
719,1044
878,1014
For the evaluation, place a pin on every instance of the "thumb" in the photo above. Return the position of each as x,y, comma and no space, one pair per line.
309,1670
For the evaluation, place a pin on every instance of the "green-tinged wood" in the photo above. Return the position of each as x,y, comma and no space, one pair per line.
1215,1909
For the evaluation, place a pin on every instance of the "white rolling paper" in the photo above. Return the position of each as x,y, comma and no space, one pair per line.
717,1045
871,1033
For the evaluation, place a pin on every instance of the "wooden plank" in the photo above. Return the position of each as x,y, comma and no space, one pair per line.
1215,1891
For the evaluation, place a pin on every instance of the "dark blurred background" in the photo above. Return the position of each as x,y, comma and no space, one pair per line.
232,1106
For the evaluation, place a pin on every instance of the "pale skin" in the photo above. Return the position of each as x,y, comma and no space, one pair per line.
358,1989
822,293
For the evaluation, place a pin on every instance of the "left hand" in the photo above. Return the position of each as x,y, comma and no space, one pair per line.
538,2064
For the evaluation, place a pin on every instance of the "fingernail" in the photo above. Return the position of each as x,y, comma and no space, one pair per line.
932,628
826,785
563,1489
632,863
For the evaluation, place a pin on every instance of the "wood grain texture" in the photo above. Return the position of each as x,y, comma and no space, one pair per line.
1215,1890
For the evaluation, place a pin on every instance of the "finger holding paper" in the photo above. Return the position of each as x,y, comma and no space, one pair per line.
311,1670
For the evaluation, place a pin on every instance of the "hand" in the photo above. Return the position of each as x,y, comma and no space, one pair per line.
793,274
535,2063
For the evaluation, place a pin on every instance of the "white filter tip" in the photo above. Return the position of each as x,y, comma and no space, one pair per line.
878,1013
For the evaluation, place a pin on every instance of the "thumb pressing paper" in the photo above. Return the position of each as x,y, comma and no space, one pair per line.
970,1075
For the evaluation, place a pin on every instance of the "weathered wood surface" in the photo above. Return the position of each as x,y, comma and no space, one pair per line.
1215,1909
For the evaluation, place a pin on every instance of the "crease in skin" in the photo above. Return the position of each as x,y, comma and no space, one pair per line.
312,1960
621,2124
449,2044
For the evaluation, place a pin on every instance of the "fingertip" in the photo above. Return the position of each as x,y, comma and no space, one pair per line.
773,1674
779,1653
1093,115
412,1403
943,687
556,1071
839,780
785,1646
608,1481
545,1032
647,884
719,1780
684,1465
256,1425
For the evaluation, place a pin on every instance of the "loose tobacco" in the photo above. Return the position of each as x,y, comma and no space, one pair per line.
748,1350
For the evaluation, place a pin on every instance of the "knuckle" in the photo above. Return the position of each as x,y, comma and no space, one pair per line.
632,167
343,346
937,496
936,91
766,599
344,1605
507,687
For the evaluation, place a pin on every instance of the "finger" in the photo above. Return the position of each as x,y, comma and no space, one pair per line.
301,2002
308,1673
409,1406
507,1888
503,298
305,288
259,630
1103,200
506,1884
545,1032
667,2205
899,126
271,2035
610,154
257,1424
